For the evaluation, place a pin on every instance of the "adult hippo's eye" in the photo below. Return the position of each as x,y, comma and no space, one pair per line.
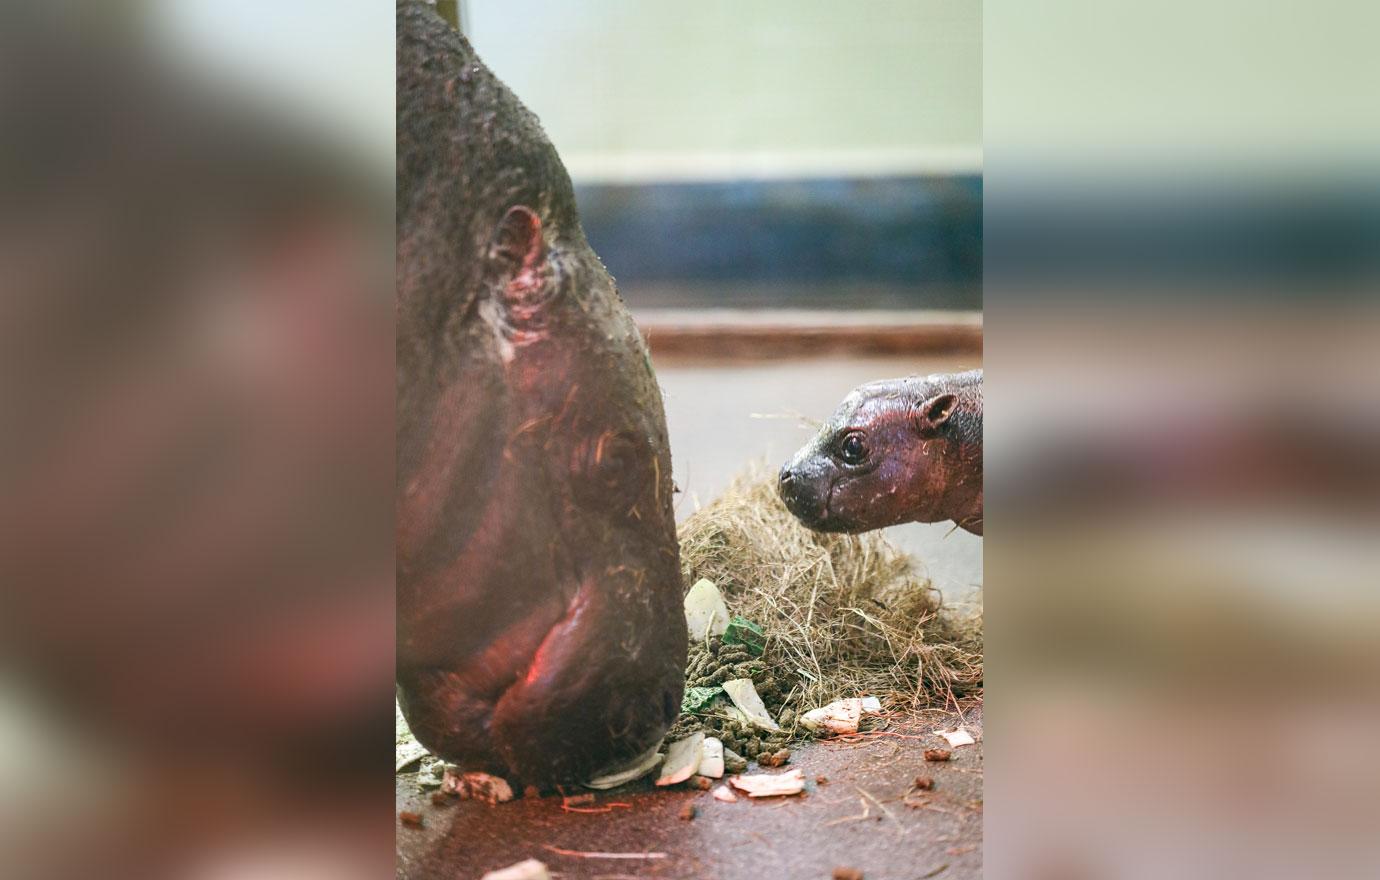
853,448
609,466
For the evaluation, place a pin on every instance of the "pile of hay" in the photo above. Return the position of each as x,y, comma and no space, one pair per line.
844,615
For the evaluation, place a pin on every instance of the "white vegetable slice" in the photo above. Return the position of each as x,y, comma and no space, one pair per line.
712,762
530,869
771,784
705,611
682,759
744,695
959,737
839,717
639,767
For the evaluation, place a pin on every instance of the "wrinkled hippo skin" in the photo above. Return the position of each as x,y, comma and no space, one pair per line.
897,451
540,634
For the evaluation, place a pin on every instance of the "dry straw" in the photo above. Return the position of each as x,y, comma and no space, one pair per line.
847,613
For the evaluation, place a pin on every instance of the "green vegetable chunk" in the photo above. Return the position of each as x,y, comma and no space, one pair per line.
742,631
697,698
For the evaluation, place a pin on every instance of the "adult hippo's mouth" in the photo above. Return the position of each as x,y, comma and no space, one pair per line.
551,700
594,675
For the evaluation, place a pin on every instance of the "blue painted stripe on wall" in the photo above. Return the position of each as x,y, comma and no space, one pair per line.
903,231
1078,230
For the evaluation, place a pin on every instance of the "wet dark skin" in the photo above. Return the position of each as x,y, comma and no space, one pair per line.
896,451
540,634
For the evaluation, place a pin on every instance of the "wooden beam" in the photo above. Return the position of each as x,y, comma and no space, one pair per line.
769,335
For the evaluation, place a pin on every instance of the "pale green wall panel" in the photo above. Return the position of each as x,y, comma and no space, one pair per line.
733,87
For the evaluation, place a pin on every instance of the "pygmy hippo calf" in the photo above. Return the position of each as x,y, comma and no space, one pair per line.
895,451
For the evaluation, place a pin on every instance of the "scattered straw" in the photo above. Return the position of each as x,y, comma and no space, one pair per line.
583,854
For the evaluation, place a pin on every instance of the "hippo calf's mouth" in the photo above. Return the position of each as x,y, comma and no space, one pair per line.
825,519
811,511
799,491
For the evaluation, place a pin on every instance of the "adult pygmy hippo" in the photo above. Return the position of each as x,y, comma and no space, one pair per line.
901,450
540,634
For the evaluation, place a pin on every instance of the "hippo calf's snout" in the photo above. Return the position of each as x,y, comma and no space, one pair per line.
902,450
802,493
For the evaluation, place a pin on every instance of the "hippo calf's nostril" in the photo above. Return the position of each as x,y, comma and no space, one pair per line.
786,484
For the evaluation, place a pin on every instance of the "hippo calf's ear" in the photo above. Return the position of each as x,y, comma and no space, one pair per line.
935,412
517,257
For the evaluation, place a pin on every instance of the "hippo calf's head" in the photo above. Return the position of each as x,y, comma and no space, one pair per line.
901,450
539,622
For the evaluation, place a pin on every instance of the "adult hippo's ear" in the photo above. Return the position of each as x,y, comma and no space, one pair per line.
933,413
519,265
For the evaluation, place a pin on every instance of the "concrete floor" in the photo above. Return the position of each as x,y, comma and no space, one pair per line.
865,815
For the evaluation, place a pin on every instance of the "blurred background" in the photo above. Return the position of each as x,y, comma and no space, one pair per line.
196,439
1183,431
789,196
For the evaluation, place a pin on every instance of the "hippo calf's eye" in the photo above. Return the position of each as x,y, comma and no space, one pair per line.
853,448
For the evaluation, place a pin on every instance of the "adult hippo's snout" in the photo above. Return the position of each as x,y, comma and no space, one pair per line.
540,630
